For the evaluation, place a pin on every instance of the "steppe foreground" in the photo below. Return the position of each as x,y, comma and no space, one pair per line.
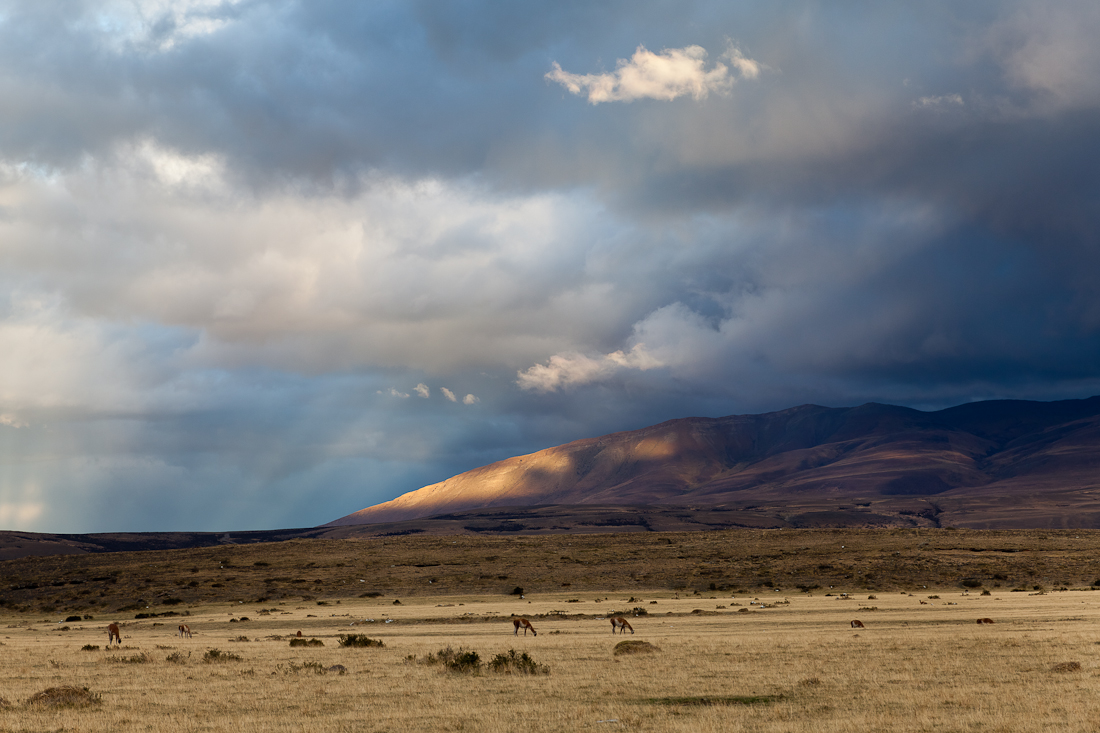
755,653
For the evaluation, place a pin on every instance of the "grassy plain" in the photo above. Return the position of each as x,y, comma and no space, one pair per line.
794,666
757,658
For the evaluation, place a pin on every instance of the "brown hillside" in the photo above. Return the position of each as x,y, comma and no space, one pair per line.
988,464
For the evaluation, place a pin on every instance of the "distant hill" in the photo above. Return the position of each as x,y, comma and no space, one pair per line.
1005,464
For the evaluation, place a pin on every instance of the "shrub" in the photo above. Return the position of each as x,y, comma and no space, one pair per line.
517,591
359,640
306,642
177,658
215,655
460,661
72,618
467,662
513,663
90,648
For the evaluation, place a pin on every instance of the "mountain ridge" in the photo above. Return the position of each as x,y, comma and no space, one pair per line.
803,458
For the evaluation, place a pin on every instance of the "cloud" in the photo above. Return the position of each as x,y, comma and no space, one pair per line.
1050,51
21,515
11,420
228,230
670,74
571,370
939,101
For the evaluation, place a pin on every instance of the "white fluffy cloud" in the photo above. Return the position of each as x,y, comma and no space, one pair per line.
432,275
673,73
572,370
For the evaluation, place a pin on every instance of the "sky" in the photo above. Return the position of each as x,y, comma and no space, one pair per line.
266,263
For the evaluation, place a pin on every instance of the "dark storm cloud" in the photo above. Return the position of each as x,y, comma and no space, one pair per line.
245,246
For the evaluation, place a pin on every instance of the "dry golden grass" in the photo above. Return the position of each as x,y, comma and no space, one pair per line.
329,571
776,666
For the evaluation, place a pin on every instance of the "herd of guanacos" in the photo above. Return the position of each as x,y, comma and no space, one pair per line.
618,623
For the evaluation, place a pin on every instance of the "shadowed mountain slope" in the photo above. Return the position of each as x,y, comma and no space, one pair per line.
986,464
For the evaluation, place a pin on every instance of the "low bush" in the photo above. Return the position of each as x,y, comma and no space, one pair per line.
215,655
465,661
306,642
359,640
516,663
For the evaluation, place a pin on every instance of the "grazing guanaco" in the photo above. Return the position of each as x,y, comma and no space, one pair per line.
185,630
113,634
620,623
858,625
522,622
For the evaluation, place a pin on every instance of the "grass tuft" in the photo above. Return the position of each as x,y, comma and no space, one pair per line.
714,701
292,668
635,647
64,697
136,659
